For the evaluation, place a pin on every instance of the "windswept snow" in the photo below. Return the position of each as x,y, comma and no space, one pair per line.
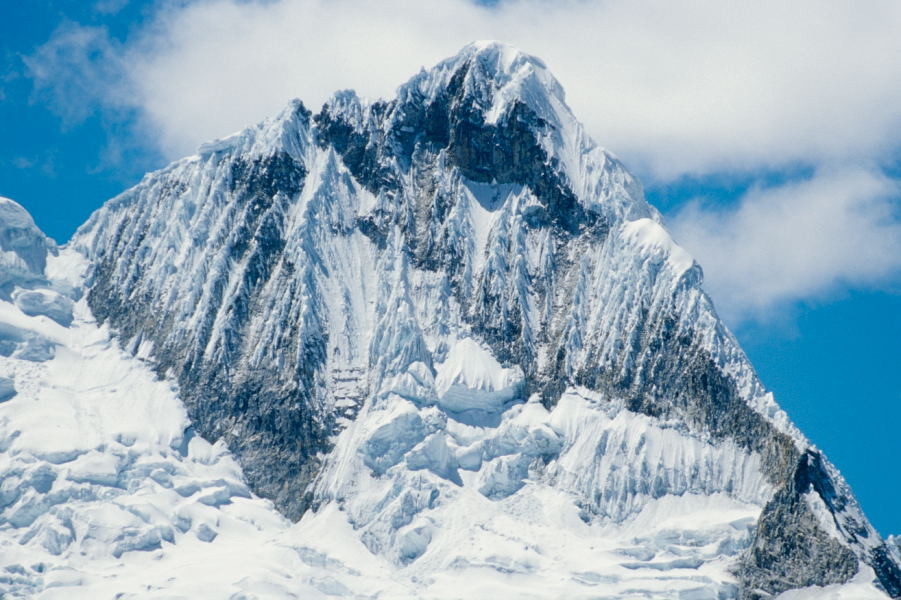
469,386
471,379
106,493
651,235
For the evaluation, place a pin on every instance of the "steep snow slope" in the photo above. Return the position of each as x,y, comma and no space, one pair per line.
452,322
107,493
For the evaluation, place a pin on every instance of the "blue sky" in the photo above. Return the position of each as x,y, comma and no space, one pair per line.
770,140
60,169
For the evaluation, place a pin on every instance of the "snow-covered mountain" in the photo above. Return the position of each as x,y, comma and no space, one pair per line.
445,333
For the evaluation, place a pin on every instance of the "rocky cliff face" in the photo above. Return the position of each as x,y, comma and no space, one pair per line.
383,305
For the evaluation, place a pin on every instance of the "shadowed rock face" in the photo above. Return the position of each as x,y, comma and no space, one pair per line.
790,547
265,417
283,275
454,122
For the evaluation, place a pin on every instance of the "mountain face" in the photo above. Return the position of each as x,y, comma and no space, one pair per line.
451,322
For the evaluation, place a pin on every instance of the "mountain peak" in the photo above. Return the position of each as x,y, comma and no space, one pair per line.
446,329
496,76
283,131
500,61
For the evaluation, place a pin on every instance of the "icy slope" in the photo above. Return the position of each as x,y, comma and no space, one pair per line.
372,305
107,494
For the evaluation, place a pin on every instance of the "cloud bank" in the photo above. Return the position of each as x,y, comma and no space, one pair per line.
799,241
674,89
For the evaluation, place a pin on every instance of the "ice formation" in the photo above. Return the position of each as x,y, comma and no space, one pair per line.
444,335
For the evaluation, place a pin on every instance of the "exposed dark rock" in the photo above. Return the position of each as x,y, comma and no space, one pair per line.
790,549
887,571
265,416
359,148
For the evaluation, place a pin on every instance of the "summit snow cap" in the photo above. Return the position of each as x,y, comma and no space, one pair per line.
497,75
497,85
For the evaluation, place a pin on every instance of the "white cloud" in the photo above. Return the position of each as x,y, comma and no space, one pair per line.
673,88
799,241
693,88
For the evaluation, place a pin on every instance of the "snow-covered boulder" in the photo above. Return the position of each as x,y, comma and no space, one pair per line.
23,247
44,302
472,379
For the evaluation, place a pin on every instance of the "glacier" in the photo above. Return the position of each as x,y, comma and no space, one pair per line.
433,347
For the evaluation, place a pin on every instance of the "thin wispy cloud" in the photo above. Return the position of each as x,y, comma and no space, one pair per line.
109,6
81,71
